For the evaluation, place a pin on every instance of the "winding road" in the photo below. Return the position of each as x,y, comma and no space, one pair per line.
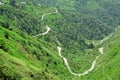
49,13
47,28
101,41
85,72
64,59
101,50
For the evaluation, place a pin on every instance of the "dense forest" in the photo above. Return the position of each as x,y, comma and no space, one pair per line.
77,27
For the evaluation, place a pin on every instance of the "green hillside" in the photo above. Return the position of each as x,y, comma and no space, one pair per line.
107,67
32,31
28,58
24,57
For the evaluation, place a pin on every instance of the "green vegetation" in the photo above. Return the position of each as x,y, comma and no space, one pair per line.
28,59
107,67
22,56
77,27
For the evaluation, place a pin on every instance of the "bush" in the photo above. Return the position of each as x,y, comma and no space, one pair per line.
12,2
2,42
3,45
6,35
4,24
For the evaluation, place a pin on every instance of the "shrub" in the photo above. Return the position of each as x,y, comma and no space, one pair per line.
3,45
2,42
6,35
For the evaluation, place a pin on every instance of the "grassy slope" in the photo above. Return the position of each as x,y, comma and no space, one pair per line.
28,58
22,56
33,59
107,67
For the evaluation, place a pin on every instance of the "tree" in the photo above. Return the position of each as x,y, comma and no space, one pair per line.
12,2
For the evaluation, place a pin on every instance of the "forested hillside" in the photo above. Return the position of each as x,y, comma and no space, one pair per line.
22,55
107,67
32,30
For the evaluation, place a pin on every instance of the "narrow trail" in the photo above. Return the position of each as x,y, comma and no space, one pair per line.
56,10
44,15
47,28
49,13
101,50
65,60
85,72
101,41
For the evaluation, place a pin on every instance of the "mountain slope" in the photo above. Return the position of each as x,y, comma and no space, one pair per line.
25,56
28,59
107,67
